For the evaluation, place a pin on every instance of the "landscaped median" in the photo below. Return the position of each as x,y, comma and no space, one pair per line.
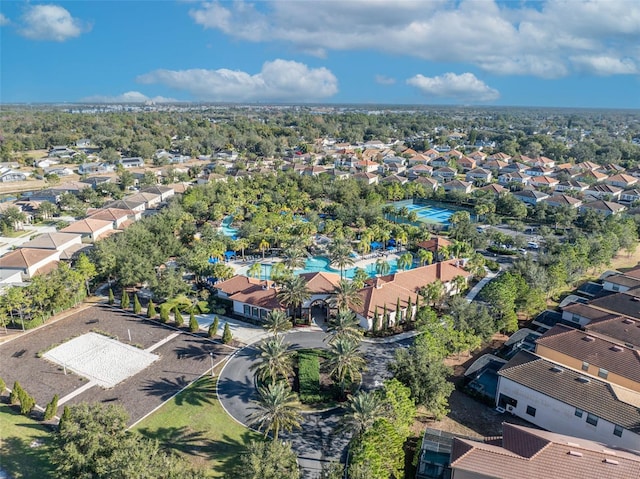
195,424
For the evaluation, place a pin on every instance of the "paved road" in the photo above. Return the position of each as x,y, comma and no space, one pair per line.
315,443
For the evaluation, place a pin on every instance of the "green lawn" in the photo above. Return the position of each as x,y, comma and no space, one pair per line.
17,435
195,424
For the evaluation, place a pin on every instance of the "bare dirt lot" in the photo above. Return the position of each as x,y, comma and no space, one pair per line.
183,358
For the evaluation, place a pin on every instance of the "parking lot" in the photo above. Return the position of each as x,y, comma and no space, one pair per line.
183,357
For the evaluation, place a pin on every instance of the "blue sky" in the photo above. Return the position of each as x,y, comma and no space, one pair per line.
566,53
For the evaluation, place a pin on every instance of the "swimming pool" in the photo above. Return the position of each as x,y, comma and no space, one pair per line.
226,229
321,264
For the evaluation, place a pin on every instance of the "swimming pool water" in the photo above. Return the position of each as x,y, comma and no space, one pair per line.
226,229
322,264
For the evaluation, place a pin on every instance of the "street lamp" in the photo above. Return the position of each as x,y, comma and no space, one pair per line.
211,357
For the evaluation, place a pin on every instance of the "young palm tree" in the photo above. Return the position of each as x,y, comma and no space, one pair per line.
405,261
340,255
345,325
346,362
294,293
425,257
433,292
361,411
275,360
263,246
255,270
277,322
242,244
278,409
293,257
459,283
347,293
279,272
382,267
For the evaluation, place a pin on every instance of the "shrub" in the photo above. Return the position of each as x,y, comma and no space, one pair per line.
213,329
112,298
14,397
66,415
124,302
51,409
136,304
194,327
178,317
227,337
151,310
309,376
164,313
3,386
27,403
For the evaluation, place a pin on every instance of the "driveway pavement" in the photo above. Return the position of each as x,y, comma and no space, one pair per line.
315,443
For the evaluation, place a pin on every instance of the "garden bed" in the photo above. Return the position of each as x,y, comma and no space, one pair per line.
312,382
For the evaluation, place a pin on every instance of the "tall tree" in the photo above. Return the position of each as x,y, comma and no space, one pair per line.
293,294
345,362
277,322
347,294
345,326
275,361
268,460
361,411
278,409
340,254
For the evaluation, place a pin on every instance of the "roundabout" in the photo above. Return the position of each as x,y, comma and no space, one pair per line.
314,443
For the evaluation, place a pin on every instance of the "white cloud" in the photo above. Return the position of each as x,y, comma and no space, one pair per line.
279,80
512,38
463,87
384,80
51,22
3,20
605,65
128,97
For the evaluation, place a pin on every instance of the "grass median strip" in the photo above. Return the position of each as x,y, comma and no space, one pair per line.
195,424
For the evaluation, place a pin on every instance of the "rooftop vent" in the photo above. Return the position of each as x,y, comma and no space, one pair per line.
557,369
611,461
628,321
588,339
575,453
635,298
617,348
573,444
583,380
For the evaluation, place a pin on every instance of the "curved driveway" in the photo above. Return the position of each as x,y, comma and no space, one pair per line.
315,444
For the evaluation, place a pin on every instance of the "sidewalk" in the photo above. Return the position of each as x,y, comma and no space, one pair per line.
478,287
392,339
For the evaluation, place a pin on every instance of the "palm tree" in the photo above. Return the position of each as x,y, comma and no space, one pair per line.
459,283
255,270
382,267
361,411
433,292
405,261
401,238
345,362
345,325
294,293
263,246
293,257
425,257
277,322
275,360
340,255
279,272
14,217
242,244
347,293
278,409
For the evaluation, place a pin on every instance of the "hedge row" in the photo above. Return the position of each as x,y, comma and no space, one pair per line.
309,377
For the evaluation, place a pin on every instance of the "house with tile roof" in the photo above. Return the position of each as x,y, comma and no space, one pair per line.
430,184
29,262
543,182
459,186
120,218
561,199
494,189
466,163
527,453
514,178
54,241
381,294
479,176
419,170
445,173
630,196
602,191
582,314
622,181
565,401
591,176
368,178
592,354
571,185
530,197
90,229
607,208
499,157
